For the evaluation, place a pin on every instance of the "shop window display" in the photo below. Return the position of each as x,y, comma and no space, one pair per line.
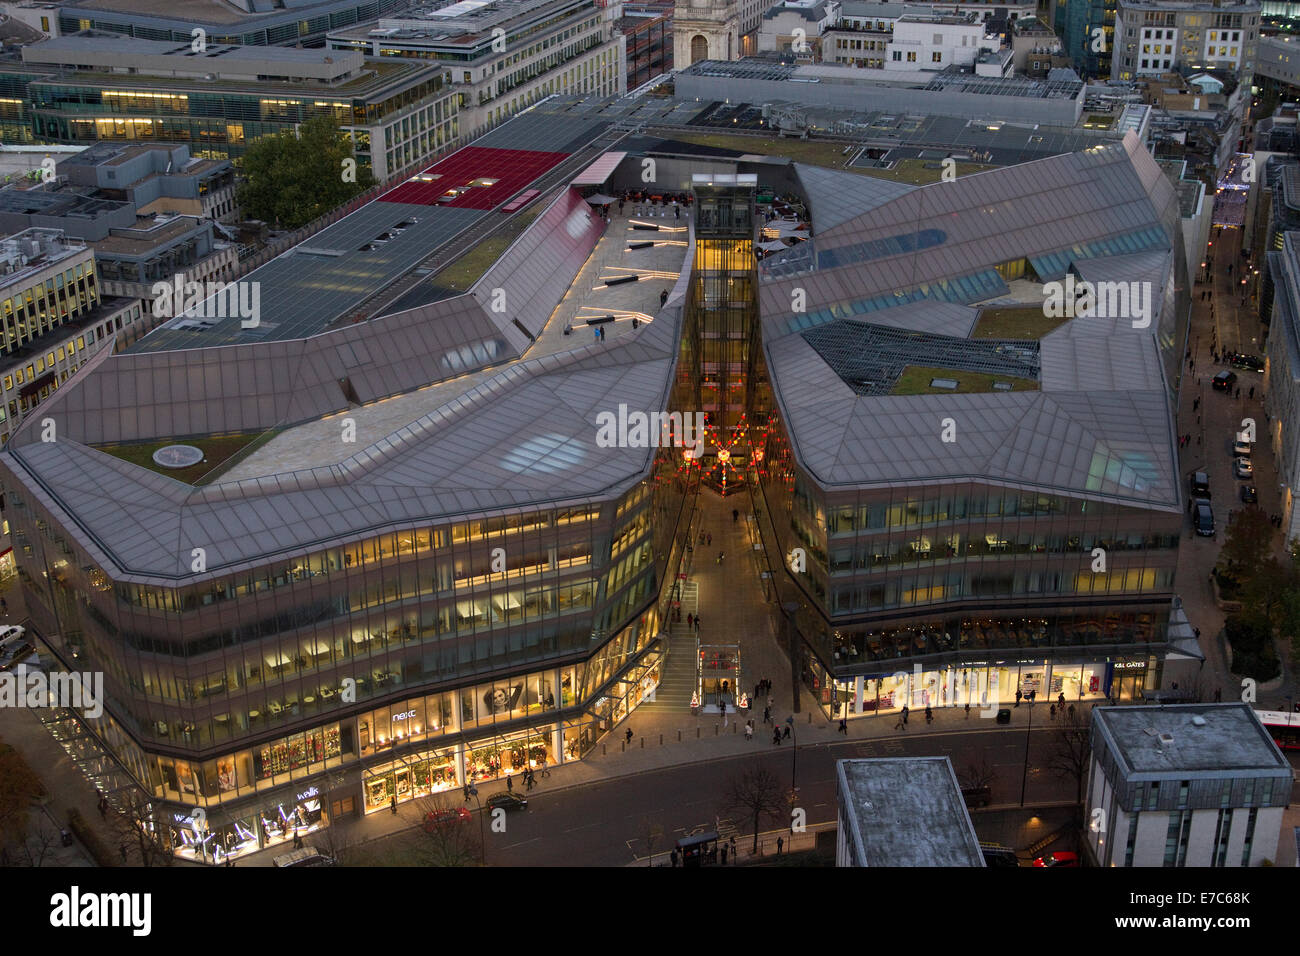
410,778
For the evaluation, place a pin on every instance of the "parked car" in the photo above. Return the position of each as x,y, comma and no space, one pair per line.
1241,467
1199,483
1059,858
10,634
15,655
506,801
1248,494
307,856
1241,447
435,819
1241,360
1224,381
1203,519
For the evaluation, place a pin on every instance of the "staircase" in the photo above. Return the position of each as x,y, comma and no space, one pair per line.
678,680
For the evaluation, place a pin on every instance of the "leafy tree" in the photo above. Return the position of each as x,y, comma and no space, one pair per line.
293,178
1249,540
1251,638
757,795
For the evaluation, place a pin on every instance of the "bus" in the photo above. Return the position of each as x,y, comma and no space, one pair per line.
1284,728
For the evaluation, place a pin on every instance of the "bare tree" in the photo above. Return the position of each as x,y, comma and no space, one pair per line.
978,771
448,835
756,794
19,788
1072,750
40,840
652,833
138,821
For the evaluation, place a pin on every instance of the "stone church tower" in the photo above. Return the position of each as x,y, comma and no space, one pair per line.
705,30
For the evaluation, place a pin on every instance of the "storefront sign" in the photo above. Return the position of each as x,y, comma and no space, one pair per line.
404,715
1130,665
307,794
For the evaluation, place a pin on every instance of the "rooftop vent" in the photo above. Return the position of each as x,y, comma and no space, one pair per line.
1166,739
1198,720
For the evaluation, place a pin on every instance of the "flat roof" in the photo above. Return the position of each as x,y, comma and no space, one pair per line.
1188,739
907,812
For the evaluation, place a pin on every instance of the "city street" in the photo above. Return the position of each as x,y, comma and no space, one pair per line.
1222,324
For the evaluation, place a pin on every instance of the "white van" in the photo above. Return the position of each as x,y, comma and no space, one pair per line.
307,856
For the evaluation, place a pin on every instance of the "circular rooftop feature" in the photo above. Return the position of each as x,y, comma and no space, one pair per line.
177,456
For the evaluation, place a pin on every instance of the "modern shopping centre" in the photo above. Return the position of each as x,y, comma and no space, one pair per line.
326,565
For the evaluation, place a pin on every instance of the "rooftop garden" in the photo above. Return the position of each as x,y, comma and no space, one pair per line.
218,454
1022,323
916,380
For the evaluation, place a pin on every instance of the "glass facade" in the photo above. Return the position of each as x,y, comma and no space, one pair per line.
249,690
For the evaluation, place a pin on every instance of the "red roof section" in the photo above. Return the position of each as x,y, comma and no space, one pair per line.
512,169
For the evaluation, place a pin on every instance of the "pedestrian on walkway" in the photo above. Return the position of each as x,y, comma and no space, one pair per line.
628,735
776,735
673,856
392,805
785,732
732,842
1252,391
1053,711
663,297
690,620
297,840
844,726
735,515
905,713
466,789
968,710
767,715
510,784
721,555
697,624
710,539
1018,696
780,845
929,714
749,730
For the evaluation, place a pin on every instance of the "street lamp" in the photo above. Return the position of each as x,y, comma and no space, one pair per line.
1024,777
794,757
482,827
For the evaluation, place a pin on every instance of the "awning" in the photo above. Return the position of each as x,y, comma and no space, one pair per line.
600,199
772,245
598,172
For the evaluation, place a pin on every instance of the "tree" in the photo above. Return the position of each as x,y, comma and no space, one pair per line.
652,833
19,788
140,822
978,771
1267,589
757,795
1251,638
1071,749
1249,540
450,836
293,177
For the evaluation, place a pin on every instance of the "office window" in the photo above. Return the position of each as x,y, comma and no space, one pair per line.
1250,838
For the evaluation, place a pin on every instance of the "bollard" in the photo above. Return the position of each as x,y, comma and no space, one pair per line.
679,736
643,743
810,716
733,727
715,730
661,740
604,750
697,733
622,746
